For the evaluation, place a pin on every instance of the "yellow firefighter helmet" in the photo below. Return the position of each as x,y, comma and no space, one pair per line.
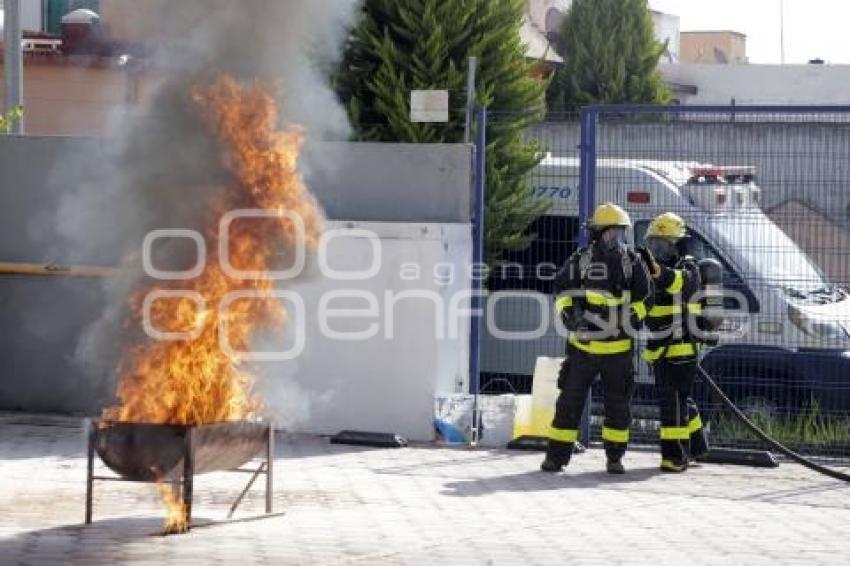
608,215
667,225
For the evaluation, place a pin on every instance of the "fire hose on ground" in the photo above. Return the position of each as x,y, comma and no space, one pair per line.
785,451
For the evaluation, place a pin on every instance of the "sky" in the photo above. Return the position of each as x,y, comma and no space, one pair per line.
813,28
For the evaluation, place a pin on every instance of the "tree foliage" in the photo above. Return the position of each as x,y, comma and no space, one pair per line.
610,56
403,45
10,118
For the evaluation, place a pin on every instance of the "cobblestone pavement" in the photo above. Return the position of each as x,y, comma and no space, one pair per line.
418,505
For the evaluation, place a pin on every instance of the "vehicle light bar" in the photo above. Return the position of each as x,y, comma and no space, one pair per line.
731,174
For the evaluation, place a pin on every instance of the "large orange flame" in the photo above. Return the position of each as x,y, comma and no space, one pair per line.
195,381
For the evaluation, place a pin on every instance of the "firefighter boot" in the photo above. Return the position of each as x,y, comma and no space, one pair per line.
557,456
699,446
615,466
673,466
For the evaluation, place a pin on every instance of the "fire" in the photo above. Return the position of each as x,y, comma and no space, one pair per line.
175,511
195,381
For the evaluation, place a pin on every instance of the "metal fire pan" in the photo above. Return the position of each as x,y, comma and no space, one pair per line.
149,452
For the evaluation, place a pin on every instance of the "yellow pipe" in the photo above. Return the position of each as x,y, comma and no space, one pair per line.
52,270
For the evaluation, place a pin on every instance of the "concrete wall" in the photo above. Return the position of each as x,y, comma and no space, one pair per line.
416,198
762,84
363,182
391,182
386,382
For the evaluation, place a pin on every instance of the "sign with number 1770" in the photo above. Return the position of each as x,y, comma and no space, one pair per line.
546,191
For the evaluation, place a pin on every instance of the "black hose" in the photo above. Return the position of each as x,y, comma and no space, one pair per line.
768,440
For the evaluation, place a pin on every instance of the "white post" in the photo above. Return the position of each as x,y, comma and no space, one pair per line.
470,97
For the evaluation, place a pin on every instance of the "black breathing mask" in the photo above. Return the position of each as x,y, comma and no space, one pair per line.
663,250
613,240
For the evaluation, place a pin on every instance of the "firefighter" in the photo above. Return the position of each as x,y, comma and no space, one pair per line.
673,344
601,292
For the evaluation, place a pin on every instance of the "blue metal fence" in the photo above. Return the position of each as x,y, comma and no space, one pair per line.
766,190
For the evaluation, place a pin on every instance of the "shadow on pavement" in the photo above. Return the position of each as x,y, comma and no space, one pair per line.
296,445
542,481
786,495
102,542
97,543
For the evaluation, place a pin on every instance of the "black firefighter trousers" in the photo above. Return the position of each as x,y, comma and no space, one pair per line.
578,372
682,434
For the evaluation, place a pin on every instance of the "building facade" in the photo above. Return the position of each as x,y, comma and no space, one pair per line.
543,18
713,47
759,84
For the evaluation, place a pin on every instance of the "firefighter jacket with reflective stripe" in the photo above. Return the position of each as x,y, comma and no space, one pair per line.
674,305
599,293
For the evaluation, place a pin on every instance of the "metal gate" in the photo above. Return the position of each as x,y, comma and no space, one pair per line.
765,191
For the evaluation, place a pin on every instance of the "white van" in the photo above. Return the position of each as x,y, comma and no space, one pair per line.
791,340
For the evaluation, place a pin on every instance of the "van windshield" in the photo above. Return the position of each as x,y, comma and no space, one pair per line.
771,256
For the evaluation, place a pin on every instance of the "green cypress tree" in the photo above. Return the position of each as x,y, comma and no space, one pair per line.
402,45
610,56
